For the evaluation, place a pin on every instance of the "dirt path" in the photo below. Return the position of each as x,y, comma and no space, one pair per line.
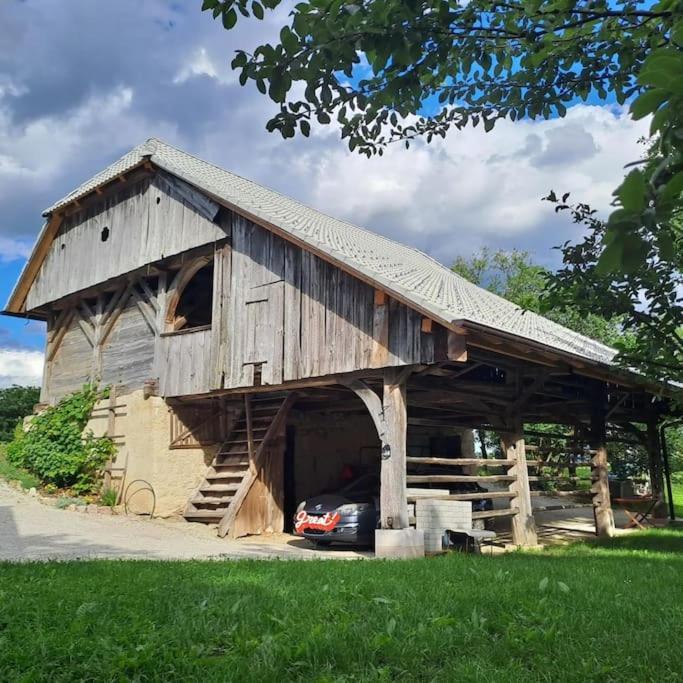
30,530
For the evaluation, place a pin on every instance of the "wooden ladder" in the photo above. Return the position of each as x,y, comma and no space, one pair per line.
235,464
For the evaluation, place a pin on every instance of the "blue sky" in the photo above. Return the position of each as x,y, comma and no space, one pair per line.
82,82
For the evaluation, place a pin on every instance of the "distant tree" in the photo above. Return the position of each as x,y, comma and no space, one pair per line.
645,296
15,403
514,276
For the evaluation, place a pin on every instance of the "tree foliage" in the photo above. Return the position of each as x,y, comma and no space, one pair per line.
645,300
514,276
397,70
15,403
56,449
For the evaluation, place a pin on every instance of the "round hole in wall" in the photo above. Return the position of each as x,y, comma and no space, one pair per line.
63,245
104,235
158,200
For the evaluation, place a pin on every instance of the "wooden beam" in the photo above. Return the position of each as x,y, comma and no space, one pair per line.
523,524
379,353
17,299
372,402
602,505
457,347
393,501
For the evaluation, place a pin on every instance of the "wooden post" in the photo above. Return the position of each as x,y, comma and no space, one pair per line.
111,432
523,524
602,505
655,466
393,499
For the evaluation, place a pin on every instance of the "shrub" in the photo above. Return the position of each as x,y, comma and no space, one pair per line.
55,449
15,403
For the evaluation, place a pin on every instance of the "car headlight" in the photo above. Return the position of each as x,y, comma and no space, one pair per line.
302,505
353,508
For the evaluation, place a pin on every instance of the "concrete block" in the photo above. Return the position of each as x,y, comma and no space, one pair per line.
399,543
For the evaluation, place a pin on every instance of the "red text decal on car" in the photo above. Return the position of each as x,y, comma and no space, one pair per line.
325,522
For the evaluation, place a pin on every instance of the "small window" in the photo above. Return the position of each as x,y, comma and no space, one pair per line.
196,301
104,235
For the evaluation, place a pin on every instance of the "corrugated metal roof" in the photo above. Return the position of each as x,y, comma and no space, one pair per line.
408,272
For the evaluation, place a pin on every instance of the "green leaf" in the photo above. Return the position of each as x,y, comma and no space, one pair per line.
229,19
674,188
633,191
305,127
257,10
665,244
648,103
610,258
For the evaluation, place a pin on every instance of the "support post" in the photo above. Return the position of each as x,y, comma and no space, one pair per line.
602,505
393,498
656,467
523,523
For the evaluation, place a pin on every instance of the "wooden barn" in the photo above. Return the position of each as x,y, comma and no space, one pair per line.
257,347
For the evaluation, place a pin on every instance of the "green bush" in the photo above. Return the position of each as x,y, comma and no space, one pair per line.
15,403
55,448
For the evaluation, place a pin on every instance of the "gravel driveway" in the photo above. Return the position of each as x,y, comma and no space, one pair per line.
30,530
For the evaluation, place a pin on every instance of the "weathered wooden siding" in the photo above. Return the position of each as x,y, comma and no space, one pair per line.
148,221
185,363
71,366
291,315
279,314
128,353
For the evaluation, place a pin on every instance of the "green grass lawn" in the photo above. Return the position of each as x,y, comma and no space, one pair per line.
582,613
677,490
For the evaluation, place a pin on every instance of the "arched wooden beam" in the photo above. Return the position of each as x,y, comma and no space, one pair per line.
372,402
180,281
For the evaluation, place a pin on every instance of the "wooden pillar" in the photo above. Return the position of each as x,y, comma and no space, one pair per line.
393,499
602,505
523,524
656,467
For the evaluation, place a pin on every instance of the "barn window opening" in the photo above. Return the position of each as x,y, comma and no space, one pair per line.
196,301
104,235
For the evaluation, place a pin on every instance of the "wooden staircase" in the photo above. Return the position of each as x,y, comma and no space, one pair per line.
236,462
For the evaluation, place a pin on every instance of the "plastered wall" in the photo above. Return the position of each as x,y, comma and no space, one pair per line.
144,425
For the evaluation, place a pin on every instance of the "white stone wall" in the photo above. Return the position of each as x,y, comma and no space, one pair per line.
435,516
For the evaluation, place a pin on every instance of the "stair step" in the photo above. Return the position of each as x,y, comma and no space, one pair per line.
226,475
223,502
204,515
219,488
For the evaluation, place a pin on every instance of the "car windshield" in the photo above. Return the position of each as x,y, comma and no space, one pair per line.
361,488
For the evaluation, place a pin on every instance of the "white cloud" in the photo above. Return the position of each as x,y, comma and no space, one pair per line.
20,366
201,64
12,250
474,187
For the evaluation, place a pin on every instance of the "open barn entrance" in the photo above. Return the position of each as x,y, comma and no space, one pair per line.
330,442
